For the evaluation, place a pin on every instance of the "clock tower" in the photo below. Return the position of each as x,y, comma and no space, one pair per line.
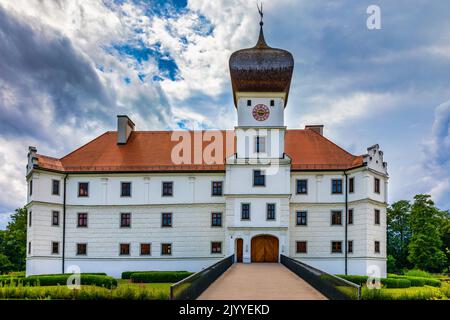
261,78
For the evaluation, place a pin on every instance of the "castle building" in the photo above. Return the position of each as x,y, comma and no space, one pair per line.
182,200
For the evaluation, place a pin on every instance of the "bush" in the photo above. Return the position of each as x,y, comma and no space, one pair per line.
359,280
419,281
6,280
432,282
417,273
395,282
61,279
159,276
17,274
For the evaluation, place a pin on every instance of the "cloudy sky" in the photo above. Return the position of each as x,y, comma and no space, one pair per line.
67,68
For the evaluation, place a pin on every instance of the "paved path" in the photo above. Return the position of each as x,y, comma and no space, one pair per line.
260,281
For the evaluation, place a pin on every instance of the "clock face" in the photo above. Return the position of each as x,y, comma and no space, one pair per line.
261,112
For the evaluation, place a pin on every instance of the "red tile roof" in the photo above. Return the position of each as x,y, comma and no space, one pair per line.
150,151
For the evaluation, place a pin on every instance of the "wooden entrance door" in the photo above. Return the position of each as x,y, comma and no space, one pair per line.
264,249
239,249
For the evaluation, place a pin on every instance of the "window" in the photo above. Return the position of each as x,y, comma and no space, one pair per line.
82,220
336,217
260,144
55,247
301,247
166,219
350,246
271,211
377,246
377,216
217,188
302,219
125,220
216,219
377,185
125,188
245,211
83,189
166,249
167,189
336,186
81,249
249,103
259,179
55,218
145,249
272,103
30,218
31,187
55,187
336,247
216,247
350,216
302,186
124,249
29,247
351,185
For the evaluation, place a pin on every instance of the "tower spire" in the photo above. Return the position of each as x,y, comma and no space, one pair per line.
261,41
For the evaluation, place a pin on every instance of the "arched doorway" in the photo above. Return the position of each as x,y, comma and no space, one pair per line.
239,249
265,249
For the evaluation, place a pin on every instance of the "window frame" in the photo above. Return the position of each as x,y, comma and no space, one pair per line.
214,188
297,247
340,217
120,249
351,185
272,102
149,248
249,103
78,247
53,247
53,187
171,188
274,211
87,190
377,217
78,220
299,212
29,247
169,244
30,187
339,184
57,217
122,220
212,247
350,217
163,215
376,185
121,189
261,174
242,211
332,247
350,246
297,191
30,219
377,247
215,219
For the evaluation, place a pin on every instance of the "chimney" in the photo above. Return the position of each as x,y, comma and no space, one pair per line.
317,128
124,128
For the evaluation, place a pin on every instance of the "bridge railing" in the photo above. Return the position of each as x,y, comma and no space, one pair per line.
330,286
192,287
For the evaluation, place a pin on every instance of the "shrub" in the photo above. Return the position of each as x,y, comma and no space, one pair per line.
127,274
61,279
417,273
395,282
17,274
432,282
159,276
419,281
6,280
359,280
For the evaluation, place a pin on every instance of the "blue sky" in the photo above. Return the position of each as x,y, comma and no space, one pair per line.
69,67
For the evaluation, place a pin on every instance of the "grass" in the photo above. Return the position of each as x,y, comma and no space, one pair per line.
412,293
124,291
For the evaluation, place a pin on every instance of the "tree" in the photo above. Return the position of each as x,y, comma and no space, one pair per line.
399,233
425,246
13,241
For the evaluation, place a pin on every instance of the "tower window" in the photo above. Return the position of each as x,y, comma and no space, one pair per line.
350,216
259,179
260,144
249,103
377,246
272,103
377,185
377,216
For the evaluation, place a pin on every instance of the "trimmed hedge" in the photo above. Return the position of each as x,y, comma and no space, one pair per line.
386,282
159,276
61,279
419,281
